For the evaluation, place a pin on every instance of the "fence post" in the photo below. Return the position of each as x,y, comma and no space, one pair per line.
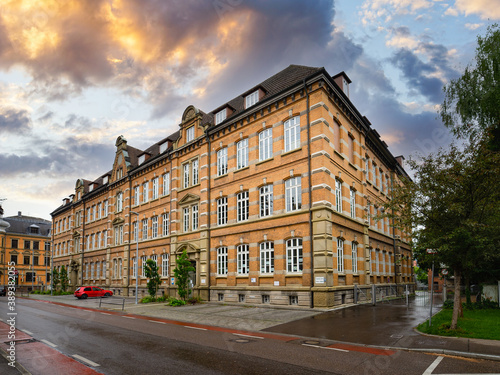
100,300
374,296
123,304
355,294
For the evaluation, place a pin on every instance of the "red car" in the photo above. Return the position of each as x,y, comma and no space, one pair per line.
83,292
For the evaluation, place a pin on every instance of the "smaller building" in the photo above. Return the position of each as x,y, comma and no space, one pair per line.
25,243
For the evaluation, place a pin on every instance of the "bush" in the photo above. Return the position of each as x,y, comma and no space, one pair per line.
448,304
147,299
162,299
176,302
194,300
482,304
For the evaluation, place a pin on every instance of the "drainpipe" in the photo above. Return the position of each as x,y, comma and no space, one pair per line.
309,168
83,239
52,259
208,213
130,230
394,233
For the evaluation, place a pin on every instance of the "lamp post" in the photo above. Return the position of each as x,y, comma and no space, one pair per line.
136,232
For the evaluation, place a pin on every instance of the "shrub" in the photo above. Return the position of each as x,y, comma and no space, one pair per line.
176,302
448,304
194,300
162,298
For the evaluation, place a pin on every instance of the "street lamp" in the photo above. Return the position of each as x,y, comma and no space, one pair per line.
136,257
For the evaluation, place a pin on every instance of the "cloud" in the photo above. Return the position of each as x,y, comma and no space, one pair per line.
383,11
473,26
486,9
16,121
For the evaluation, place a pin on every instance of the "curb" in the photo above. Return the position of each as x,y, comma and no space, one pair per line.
18,366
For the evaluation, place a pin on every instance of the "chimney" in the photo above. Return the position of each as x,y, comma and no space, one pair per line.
19,213
401,160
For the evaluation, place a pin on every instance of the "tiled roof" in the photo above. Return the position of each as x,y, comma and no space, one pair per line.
21,224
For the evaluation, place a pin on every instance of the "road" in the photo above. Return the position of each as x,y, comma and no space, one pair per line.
128,344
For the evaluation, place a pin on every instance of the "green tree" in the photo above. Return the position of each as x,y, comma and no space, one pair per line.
151,272
55,279
181,273
63,276
454,207
471,105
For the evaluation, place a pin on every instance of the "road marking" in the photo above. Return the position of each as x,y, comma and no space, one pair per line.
26,331
201,329
325,347
253,337
129,317
49,343
88,361
436,363
156,321
105,314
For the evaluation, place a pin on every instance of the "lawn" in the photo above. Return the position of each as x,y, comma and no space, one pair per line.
479,324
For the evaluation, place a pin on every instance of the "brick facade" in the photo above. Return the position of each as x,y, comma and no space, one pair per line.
265,197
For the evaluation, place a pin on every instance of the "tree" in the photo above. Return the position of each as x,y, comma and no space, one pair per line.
181,273
471,105
453,204
151,272
55,278
63,275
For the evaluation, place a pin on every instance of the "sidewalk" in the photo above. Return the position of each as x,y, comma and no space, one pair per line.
387,326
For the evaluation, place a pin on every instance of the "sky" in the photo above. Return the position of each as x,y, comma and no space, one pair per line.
76,74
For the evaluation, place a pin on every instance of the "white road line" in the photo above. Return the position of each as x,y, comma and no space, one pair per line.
26,331
201,329
325,347
253,337
88,361
49,343
105,314
433,366
156,321
128,317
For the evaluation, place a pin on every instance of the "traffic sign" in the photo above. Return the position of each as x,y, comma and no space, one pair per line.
431,251
444,272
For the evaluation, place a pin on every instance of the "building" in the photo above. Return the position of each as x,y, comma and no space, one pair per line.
273,196
25,243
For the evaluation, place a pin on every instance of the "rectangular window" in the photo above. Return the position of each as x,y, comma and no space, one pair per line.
266,144
26,259
97,270
164,265
340,255
222,211
135,231
185,219
105,238
243,259
166,183
251,99
36,245
155,188
119,202
354,256
14,244
154,227
143,263
292,134
134,268
103,269
351,149
145,229
196,173
27,244
243,204
338,195
190,134
336,136
267,257
222,161
145,192
293,194
99,211
195,217
220,116
352,200
242,154
92,270
99,240
13,259
266,200
105,208
222,261
165,219
294,261
185,173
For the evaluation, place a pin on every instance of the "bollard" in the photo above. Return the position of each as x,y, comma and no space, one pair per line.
374,296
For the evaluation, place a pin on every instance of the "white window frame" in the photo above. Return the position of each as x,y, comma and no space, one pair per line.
185,219
354,257
294,258
220,116
352,200
266,257
97,270
194,217
293,194
222,211
242,154
251,99
155,188
340,255
166,183
145,223
222,161
164,265
144,258
196,173
185,173
222,261
135,231
134,268
154,227
243,259
338,195
145,192
190,134
292,133
165,218
137,195
266,200
266,144
243,205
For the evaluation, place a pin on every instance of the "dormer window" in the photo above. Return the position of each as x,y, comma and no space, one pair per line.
345,87
142,158
163,147
190,131
220,116
91,187
105,180
251,99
